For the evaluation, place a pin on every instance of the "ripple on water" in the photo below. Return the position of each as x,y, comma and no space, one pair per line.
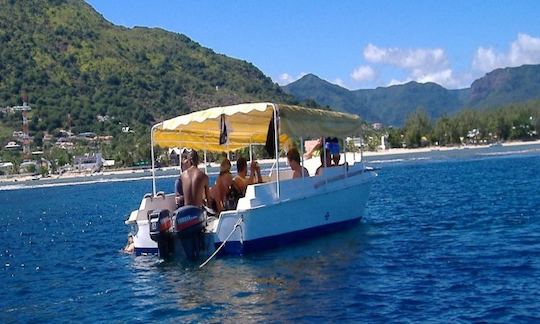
442,241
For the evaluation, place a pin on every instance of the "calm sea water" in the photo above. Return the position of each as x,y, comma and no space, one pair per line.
444,240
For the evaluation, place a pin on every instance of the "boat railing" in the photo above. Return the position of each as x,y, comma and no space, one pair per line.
283,175
271,171
263,194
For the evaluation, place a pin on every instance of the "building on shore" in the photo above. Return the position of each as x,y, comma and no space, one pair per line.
35,166
6,168
88,162
64,143
12,146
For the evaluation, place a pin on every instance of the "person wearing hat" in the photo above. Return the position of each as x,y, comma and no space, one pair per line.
220,191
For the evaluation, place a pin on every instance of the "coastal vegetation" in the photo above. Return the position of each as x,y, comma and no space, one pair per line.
514,122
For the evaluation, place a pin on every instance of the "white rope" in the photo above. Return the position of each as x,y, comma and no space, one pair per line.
222,244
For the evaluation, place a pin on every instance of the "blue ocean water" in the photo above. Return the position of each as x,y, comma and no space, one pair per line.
442,240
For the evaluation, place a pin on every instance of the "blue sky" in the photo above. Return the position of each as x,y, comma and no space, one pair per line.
356,44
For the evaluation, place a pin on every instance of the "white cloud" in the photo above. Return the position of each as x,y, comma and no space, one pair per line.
394,82
441,77
524,50
286,78
363,73
429,59
339,82
421,65
486,60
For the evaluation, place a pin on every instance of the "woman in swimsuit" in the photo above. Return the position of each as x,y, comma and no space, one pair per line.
220,190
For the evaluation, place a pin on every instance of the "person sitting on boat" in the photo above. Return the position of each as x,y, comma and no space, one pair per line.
293,157
178,192
326,161
220,191
194,182
241,181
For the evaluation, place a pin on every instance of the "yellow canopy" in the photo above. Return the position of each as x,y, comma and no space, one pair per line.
249,124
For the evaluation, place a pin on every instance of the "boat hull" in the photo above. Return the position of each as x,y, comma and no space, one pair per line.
143,243
285,239
319,208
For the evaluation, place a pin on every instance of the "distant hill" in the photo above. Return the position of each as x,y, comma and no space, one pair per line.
68,59
508,85
391,105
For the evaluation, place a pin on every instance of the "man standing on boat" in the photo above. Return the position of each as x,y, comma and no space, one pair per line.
179,192
194,182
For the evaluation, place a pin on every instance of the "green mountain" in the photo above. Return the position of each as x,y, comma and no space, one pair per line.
508,85
389,105
392,105
67,58
323,92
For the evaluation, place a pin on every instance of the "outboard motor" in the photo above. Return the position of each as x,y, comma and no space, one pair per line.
189,223
160,223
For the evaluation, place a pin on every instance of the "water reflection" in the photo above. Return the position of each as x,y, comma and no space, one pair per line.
254,287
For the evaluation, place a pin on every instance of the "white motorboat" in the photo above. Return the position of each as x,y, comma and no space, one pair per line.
274,213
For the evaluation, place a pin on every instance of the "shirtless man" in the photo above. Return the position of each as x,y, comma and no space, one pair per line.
194,183
179,192
293,157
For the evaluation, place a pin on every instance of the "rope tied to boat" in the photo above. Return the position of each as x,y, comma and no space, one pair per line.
236,225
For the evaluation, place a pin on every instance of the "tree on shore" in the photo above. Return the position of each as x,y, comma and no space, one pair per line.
418,129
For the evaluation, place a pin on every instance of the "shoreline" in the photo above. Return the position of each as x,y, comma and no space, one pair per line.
172,171
428,149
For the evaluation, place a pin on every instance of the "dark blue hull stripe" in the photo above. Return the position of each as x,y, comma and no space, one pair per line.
271,242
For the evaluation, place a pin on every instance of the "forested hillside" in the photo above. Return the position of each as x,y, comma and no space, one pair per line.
67,58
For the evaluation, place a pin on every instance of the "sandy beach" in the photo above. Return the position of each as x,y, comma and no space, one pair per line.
443,148
310,164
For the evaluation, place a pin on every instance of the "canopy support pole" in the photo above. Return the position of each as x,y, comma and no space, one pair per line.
353,150
250,151
205,163
345,158
302,154
251,160
362,149
323,148
205,166
153,163
276,142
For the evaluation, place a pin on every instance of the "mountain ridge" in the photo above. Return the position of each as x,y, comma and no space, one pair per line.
391,105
